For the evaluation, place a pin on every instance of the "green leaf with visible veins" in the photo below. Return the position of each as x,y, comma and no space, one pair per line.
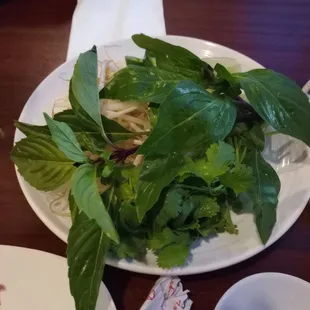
174,255
189,117
29,129
239,178
74,210
170,208
136,83
278,100
65,139
86,251
159,240
225,82
174,58
264,194
130,246
157,172
208,208
87,197
219,156
41,164
84,93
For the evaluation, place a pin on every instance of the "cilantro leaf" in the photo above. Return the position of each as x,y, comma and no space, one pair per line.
159,240
41,164
170,208
239,178
130,246
157,172
208,208
219,156
229,226
174,255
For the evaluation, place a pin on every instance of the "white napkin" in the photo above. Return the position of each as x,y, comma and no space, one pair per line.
103,21
167,294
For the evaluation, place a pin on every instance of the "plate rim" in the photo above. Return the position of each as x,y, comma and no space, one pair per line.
127,265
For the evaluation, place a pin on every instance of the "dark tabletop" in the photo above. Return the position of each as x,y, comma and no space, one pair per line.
33,41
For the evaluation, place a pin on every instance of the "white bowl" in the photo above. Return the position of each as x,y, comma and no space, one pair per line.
267,291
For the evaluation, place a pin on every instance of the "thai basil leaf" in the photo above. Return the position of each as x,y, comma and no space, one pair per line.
41,164
29,129
278,100
83,92
87,197
134,61
136,83
113,129
87,248
65,139
74,210
254,138
157,172
225,82
264,194
189,117
174,58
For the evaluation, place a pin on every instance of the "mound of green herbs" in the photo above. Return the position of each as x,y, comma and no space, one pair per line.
203,153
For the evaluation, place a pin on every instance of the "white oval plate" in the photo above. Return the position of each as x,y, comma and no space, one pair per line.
216,253
267,291
35,280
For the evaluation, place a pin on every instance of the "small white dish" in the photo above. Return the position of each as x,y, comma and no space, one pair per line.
35,280
267,291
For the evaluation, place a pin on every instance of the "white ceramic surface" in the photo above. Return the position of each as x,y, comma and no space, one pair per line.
290,158
267,291
35,280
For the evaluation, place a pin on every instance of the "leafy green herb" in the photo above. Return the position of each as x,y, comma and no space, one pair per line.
41,164
74,210
157,172
136,83
83,92
174,58
174,255
240,178
208,208
170,209
29,129
278,100
87,247
226,83
264,194
193,116
86,195
65,139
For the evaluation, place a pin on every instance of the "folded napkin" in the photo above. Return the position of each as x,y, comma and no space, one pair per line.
167,294
103,21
